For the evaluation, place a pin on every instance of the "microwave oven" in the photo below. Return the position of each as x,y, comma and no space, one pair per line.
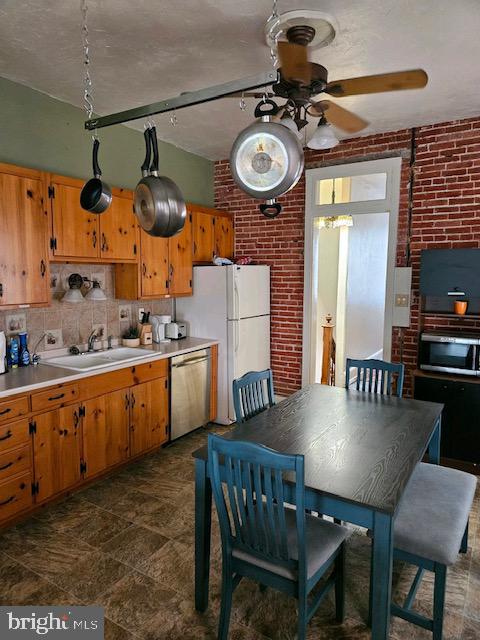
450,352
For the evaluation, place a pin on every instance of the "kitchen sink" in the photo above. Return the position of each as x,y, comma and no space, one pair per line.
97,359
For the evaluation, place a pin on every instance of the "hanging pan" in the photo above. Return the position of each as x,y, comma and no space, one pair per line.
159,204
266,159
96,195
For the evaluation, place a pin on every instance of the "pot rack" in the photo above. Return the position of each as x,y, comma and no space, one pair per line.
186,99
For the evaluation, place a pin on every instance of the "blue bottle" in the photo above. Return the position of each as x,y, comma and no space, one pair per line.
24,356
14,352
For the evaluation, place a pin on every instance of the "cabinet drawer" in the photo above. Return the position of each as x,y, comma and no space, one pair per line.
15,461
56,397
14,435
122,378
15,495
11,409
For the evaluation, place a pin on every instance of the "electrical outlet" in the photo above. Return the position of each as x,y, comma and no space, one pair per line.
141,311
402,300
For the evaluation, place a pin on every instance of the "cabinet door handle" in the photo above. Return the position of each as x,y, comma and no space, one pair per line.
7,410
144,269
6,466
76,419
7,435
60,395
1,289
127,401
194,248
171,270
133,400
43,268
94,238
104,242
7,501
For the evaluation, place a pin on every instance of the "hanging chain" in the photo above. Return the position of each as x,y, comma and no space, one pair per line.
274,47
87,81
242,104
173,119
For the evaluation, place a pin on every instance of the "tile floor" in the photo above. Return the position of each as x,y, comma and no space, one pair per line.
126,543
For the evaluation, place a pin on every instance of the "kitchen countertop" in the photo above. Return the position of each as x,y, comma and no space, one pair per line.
32,378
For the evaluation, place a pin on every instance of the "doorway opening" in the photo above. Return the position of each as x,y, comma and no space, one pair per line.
351,228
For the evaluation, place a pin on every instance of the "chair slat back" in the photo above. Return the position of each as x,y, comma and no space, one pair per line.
376,376
248,483
252,394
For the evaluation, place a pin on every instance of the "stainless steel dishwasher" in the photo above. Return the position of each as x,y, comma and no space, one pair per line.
190,391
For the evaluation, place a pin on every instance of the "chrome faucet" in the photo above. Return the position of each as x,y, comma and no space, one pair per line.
91,340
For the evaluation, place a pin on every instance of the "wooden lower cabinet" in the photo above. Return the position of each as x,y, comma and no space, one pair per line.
105,431
57,450
149,415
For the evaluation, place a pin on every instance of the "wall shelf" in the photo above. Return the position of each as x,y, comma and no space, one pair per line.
447,314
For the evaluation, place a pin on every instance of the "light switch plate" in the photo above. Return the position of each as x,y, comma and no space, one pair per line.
402,296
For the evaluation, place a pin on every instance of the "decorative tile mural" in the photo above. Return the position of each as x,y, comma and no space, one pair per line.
67,324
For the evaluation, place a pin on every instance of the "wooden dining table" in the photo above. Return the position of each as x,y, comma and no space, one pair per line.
360,452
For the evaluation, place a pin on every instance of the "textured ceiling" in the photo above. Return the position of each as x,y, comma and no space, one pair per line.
146,50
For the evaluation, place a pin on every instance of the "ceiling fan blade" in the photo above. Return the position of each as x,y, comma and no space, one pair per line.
397,81
338,116
294,62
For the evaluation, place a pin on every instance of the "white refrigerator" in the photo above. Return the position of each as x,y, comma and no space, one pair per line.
232,305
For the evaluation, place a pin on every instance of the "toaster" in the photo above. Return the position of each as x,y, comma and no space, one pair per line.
176,330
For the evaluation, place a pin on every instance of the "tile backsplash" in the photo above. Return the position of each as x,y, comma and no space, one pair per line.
68,324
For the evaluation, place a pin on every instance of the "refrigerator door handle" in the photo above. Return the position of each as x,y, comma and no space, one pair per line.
236,310
237,336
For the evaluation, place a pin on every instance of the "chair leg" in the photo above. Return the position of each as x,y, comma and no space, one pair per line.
464,545
370,589
302,615
439,600
226,604
340,584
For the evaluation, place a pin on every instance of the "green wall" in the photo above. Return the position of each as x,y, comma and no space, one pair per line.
43,133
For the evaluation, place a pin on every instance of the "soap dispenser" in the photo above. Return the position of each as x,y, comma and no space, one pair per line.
3,353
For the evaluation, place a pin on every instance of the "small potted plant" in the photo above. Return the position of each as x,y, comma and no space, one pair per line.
131,337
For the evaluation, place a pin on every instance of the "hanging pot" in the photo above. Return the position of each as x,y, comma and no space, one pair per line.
96,195
159,204
266,158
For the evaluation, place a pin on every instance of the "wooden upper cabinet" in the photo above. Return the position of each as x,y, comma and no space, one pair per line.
119,230
203,236
111,236
57,450
212,234
180,255
224,241
75,232
23,237
154,266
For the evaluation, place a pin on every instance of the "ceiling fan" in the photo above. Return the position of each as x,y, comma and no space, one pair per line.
300,81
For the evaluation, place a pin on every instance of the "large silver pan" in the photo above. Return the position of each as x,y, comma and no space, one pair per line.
159,204
266,159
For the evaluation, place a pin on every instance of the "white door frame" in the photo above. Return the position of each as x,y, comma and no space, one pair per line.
390,166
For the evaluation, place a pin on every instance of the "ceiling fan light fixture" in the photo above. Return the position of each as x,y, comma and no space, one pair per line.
324,137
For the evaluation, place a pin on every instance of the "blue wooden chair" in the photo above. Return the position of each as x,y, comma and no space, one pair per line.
252,394
262,539
430,529
376,376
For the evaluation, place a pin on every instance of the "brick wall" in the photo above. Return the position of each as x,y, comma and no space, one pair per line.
446,213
